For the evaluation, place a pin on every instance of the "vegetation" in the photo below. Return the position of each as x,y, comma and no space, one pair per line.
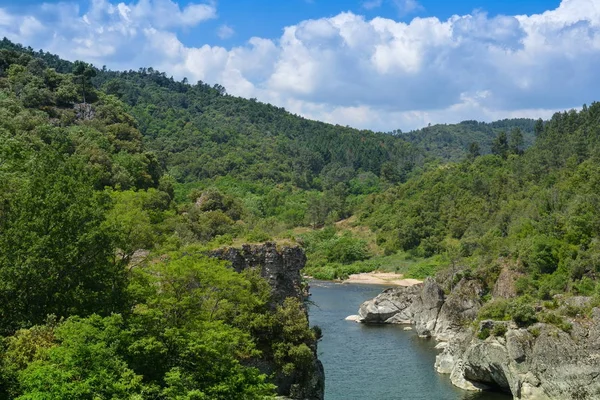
113,185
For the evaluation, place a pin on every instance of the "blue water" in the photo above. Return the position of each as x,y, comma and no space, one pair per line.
384,362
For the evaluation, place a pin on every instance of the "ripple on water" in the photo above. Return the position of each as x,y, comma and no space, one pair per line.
366,362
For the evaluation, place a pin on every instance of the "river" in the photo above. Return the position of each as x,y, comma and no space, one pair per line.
383,362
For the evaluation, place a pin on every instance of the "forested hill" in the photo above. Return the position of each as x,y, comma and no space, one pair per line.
453,142
199,132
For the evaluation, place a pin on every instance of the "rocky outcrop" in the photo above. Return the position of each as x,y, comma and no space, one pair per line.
505,286
281,268
538,362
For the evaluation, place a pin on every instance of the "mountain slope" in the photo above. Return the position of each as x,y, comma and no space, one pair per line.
450,142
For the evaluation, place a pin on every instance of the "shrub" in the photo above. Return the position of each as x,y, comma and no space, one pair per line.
522,312
499,330
556,320
483,334
495,310
346,249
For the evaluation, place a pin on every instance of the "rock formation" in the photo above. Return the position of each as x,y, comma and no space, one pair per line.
281,268
538,362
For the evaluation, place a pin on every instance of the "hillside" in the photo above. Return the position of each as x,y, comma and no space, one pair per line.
107,286
452,142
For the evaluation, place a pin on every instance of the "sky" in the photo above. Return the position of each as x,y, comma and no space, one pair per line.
375,64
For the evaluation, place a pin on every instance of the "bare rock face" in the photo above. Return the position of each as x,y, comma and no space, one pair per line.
505,286
541,362
459,309
281,268
392,306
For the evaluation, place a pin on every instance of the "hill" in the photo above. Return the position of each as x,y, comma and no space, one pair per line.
451,142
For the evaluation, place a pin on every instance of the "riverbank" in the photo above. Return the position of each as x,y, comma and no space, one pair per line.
381,278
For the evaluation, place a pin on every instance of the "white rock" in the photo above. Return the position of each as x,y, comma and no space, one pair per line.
354,318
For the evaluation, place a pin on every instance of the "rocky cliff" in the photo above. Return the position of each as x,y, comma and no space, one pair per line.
281,268
541,361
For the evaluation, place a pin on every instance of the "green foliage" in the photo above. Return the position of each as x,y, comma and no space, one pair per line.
522,311
499,330
556,320
84,364
496,310
55,256
454,142
292,339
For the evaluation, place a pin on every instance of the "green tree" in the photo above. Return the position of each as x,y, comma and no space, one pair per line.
516,141
83,363
500,145
55,258
84,72
474,150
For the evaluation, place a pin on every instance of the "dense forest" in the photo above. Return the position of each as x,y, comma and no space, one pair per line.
105,288
114,185
454,142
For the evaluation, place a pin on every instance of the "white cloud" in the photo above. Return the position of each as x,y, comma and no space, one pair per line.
374,73
225,32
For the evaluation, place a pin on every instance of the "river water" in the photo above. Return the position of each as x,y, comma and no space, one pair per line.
383,362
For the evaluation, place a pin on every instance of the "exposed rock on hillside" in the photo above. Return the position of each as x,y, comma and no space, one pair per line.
281,268
539,362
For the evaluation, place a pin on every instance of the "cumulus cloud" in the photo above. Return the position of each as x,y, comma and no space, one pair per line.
374,73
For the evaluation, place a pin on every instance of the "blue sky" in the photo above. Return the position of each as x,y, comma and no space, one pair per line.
379,64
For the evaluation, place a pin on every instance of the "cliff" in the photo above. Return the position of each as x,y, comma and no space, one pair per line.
539,362
281,268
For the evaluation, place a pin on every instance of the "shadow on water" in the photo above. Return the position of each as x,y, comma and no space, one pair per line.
369,362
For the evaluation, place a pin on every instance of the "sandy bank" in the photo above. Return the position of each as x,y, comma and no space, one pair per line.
381,278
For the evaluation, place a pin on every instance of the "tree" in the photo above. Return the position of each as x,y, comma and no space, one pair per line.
516,141
474,150
84,72
500,145
84,362
55,258
539,127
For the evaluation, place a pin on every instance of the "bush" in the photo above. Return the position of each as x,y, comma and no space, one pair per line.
499,330
522,312
346,249
584,287
483,334
495,310
556,320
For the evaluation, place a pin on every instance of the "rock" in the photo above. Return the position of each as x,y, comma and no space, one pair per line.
498,355
281,268
353,318
427,307
408,328
391,305
459,309
505,287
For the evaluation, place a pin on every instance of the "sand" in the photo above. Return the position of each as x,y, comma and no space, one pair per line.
381,278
